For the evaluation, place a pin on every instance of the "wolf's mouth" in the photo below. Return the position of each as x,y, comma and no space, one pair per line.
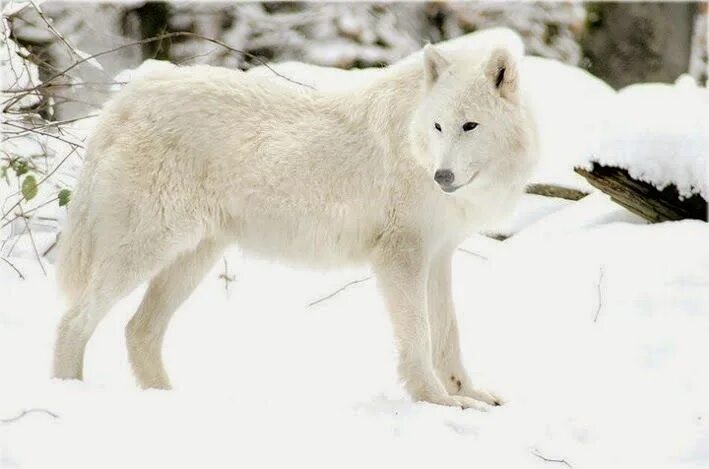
452,188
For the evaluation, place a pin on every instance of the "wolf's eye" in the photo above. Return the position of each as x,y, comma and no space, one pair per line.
469,126
437,126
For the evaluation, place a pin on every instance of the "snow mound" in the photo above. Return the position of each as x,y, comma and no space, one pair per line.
568,103
660,134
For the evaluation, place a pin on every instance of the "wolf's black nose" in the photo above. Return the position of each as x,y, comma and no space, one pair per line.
444,177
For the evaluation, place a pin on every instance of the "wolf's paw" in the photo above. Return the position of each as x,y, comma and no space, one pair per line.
457,386
470,403
463,402
482,395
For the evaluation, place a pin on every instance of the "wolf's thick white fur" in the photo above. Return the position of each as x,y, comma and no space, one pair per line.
186,160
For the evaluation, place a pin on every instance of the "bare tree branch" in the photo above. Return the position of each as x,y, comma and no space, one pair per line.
599,301
552,190
27,212
13,266
473,253
148,41
28,412
536,453
51,246
36,131
34,245
56,33
46,125
22,198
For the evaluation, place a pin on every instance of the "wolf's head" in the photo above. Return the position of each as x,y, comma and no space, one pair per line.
470,127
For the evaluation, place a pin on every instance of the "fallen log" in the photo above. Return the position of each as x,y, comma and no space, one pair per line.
643,198
551,190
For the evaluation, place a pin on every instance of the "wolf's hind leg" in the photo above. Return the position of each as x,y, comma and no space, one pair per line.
166,292
113,278
125,263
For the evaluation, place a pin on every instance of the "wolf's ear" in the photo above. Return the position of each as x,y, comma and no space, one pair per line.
434,64
502,72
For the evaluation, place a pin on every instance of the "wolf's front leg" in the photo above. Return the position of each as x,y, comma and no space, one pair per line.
445,343
402,272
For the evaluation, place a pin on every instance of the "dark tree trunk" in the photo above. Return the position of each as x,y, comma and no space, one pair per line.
153,18
627,43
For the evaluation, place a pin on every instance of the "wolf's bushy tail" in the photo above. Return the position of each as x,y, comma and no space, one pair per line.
75,247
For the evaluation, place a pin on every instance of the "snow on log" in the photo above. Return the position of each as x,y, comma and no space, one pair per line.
643,198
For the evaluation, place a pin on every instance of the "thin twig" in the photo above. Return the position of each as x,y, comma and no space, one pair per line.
27,212
51,246
536,453
74,84
196,56
225,276
22,198
34,245
344,287
22,277
27,412
51,27
33,58
599,302
54,124
497,236
34,130
473,253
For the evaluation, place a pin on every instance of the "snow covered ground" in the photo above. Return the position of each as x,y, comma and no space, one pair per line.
590,322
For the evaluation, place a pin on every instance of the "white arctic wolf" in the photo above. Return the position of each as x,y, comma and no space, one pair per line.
394,172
